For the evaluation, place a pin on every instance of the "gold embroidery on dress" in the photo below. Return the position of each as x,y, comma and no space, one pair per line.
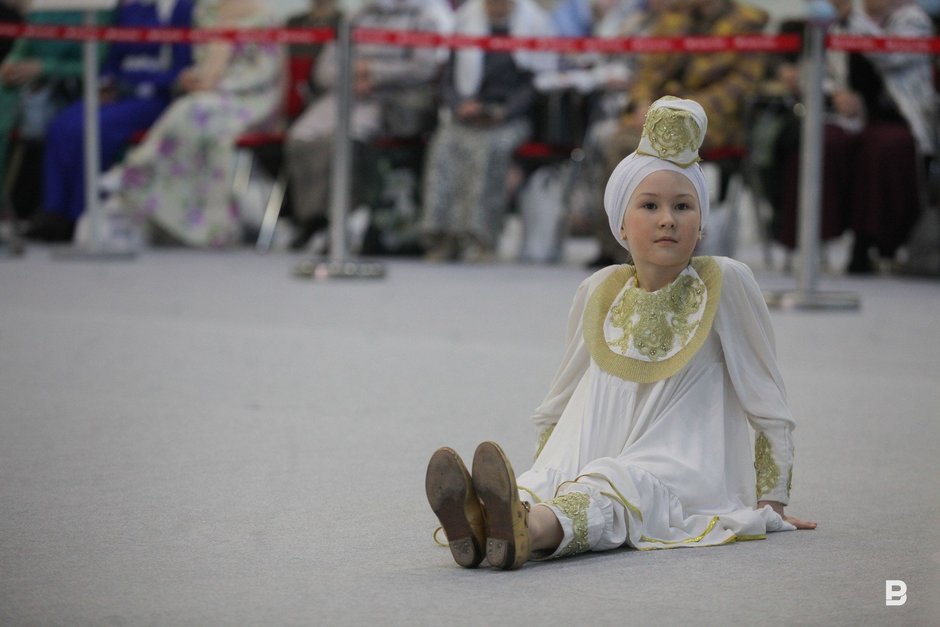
671,131
620,498
639,368
768,474
574,505
654,321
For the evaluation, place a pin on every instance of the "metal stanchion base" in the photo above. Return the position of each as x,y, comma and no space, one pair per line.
846,301
11,248
85,253
317,270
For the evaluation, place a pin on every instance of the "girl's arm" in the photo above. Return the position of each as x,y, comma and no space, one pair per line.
573,366
743,323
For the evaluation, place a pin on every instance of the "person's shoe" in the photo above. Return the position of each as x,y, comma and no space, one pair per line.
451,495
306,230
443,248
507,524
472,250
860,265
50,227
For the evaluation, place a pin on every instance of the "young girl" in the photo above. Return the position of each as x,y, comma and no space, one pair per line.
644,438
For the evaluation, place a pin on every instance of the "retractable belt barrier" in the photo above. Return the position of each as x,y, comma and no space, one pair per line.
347,37
411,39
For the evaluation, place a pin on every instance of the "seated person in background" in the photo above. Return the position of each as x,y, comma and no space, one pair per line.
38,78
319,14
395,94
178,179
721,82
137,80
11,12
573,18
607,78
890,104
487,100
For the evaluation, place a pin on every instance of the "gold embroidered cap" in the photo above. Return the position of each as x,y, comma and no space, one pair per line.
673,130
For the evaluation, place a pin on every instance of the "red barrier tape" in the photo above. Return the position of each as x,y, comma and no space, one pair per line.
411,39
745,43
856,43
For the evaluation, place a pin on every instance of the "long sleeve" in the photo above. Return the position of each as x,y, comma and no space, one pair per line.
573,365
744,326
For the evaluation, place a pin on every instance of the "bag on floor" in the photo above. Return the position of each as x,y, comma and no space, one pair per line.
544,215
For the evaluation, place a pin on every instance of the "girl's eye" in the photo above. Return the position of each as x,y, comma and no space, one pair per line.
682,206
649,205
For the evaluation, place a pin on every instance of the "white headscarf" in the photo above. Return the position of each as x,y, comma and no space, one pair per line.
672,134
526,20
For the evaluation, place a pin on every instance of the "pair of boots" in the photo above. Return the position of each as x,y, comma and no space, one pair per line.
481,514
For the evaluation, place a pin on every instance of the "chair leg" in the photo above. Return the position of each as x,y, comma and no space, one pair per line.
241,177
272,211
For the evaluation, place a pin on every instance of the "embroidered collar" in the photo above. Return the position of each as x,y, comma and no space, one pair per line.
648,336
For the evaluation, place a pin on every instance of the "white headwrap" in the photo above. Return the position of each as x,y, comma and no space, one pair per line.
526,20
672,134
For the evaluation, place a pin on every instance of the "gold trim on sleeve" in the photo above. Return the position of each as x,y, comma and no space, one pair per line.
574,505
768,474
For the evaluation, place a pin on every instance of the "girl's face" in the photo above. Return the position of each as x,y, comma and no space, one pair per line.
662,222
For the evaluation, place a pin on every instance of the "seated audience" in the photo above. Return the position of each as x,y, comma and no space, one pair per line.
882,110
178,179
38,78
487,100
137,80
395,95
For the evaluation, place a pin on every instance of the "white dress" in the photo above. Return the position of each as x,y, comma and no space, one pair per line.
653,409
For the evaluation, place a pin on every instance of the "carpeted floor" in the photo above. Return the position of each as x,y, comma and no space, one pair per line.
202,439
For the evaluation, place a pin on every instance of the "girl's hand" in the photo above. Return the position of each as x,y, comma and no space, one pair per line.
777,506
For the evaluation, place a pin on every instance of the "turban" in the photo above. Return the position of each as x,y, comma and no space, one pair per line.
672,134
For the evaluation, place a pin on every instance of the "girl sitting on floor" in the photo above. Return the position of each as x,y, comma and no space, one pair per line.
644,435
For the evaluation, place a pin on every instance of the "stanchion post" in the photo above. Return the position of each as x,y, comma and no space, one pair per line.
96,249
811,157
807,296
339,265
342,151
92,136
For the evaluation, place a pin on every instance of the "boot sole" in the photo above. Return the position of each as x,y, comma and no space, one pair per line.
507,535
448,487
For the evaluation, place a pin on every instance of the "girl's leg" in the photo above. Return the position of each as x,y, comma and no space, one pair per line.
545,532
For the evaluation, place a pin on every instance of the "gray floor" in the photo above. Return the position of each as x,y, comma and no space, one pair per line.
202,439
